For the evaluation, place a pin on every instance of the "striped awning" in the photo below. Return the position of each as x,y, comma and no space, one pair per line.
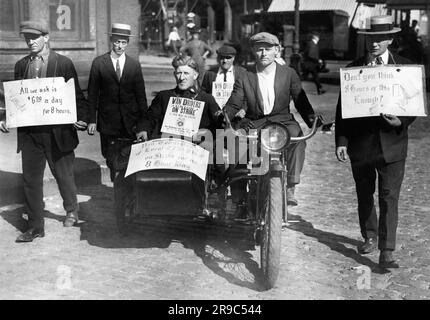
314,5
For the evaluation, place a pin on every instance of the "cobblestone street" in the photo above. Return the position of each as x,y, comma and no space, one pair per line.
172,260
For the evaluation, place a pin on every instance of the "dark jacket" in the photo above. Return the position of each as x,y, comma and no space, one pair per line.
65,135
246,94
211,74
362,136
118,105
312,52
158,108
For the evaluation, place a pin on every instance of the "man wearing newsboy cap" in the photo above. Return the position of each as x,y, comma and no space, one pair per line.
52,143
377,147
265,93
117,109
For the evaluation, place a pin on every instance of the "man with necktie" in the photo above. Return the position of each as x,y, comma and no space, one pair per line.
54,144
117,109
377,147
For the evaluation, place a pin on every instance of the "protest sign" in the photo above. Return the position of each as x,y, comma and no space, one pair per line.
182,116
168,153
221,91
38,102
392,89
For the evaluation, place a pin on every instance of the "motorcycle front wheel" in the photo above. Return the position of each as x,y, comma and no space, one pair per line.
271,233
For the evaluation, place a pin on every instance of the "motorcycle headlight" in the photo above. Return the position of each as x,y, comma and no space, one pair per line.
275,137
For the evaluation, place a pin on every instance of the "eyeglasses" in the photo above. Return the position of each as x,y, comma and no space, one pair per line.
121,42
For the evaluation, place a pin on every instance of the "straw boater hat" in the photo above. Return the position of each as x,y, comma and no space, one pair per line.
380,25
121,29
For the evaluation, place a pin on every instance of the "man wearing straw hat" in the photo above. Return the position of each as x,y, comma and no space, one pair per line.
377,147
117,109
54,144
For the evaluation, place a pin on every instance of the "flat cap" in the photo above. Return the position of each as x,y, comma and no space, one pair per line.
226,50
264,37
33,26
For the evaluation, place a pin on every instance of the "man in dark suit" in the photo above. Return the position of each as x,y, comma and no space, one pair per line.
376,146
53,143
264,94
312,61
117,99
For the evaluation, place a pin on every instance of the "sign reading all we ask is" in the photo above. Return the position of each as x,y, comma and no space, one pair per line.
43,101
391,89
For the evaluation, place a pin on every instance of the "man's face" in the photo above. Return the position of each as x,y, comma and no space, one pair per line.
265,53
119,44
185,77
378,44
36,42
225,61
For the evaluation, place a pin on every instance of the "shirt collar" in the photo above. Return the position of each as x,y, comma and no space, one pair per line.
121,57
269,69
44,55
221,71
385,56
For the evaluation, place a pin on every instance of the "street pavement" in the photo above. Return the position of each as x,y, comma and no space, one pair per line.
180,260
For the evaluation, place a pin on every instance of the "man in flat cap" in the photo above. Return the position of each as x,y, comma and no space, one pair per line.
265,93
376,147
52,143
117,109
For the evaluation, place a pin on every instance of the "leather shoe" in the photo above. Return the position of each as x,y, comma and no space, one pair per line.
71,219
291,200
386,260
369,245
30,235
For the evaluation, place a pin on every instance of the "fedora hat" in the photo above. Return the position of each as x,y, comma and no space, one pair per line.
380,25
121,29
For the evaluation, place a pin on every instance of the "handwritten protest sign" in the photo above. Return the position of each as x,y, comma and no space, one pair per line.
221,91
168,153
43,101
391,89
182,116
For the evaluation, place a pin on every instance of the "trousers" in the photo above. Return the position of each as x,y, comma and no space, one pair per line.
39,147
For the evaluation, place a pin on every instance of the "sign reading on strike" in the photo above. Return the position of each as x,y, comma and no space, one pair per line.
392,89
182,116
221,91
38,102
168,153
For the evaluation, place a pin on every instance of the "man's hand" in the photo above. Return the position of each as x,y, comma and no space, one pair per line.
240,114
392,120
341,154
319,118
91,128
142,136
80,125
246,124
3,127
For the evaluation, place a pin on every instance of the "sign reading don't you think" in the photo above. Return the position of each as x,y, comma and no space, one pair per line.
43,101
391,89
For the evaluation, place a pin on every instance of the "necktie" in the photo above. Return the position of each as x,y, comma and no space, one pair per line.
225,75
118,70
37,65
379,60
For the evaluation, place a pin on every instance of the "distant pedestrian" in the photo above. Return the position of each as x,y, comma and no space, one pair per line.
377,148
174,41
54,144
198,50
313,62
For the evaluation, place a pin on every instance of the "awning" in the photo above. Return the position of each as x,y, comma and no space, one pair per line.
409,4
312,5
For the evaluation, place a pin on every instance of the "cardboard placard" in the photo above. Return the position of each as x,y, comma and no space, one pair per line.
38,102
182,116
392,89
221,91
168,153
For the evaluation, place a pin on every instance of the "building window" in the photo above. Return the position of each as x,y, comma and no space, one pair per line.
11,13
69,19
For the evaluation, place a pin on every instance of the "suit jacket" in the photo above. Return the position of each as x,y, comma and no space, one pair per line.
312,52
246,94
158,108
65,135
120,106
211,74
364,136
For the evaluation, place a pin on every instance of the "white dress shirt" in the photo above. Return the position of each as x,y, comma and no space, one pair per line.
220,75
385,56
121,62
266,84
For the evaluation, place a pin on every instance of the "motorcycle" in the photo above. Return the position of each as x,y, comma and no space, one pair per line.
266,199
